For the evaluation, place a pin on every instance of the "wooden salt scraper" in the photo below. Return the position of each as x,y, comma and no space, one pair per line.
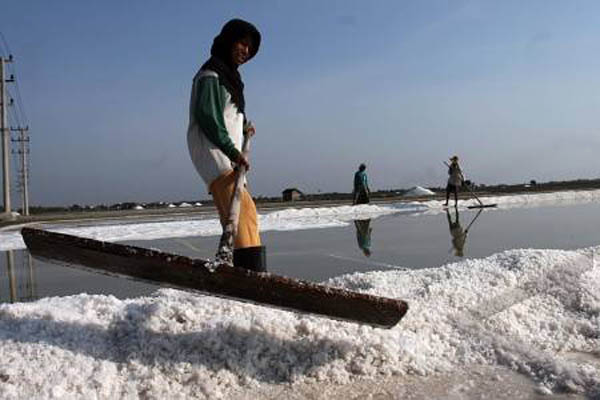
480,205
262,288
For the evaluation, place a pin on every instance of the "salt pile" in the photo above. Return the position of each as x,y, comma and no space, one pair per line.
418,191
524,310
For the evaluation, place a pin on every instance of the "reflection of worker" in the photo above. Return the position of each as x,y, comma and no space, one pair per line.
361,186
363,235
459,236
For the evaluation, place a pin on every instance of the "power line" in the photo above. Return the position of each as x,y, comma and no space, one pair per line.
12,109
20,101
5,42
20,107
11,67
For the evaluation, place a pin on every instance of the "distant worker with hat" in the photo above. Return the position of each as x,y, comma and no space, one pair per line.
455,179
361,192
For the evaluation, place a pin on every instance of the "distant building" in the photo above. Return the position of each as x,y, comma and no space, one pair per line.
291,194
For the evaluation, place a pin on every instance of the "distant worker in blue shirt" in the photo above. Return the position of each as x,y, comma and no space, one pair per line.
361,191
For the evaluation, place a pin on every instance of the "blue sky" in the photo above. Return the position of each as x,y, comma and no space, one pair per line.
511,87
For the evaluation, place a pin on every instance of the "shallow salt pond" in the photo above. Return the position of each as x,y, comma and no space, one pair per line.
403,240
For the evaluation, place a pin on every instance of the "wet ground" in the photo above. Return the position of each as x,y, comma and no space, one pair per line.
392,241
482,382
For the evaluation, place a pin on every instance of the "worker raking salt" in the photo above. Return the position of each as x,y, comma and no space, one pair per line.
455,180
216,128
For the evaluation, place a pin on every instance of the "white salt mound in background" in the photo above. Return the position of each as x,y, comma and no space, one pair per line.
418,191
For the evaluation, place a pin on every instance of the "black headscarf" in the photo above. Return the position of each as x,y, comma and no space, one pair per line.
221,60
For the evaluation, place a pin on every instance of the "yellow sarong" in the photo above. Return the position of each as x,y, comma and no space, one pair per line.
222,192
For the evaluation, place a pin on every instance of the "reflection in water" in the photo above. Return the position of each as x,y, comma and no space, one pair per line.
10,266
20,279
363,235
459,236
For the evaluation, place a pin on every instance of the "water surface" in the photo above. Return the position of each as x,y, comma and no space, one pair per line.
393,241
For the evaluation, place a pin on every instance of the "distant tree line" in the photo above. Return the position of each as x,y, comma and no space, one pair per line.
114,207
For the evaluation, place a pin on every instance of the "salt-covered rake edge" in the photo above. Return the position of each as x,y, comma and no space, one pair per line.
219,280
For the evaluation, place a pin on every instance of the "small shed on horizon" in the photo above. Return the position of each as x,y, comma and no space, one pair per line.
291,194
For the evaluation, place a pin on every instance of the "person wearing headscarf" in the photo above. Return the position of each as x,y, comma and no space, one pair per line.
217,123
455,180
361,191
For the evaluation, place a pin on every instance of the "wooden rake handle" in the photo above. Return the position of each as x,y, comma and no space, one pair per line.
234,208
225,249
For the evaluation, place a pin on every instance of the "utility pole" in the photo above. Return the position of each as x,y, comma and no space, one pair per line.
5,136
23,139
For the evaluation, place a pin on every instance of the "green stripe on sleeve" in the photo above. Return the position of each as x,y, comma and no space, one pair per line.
210,104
